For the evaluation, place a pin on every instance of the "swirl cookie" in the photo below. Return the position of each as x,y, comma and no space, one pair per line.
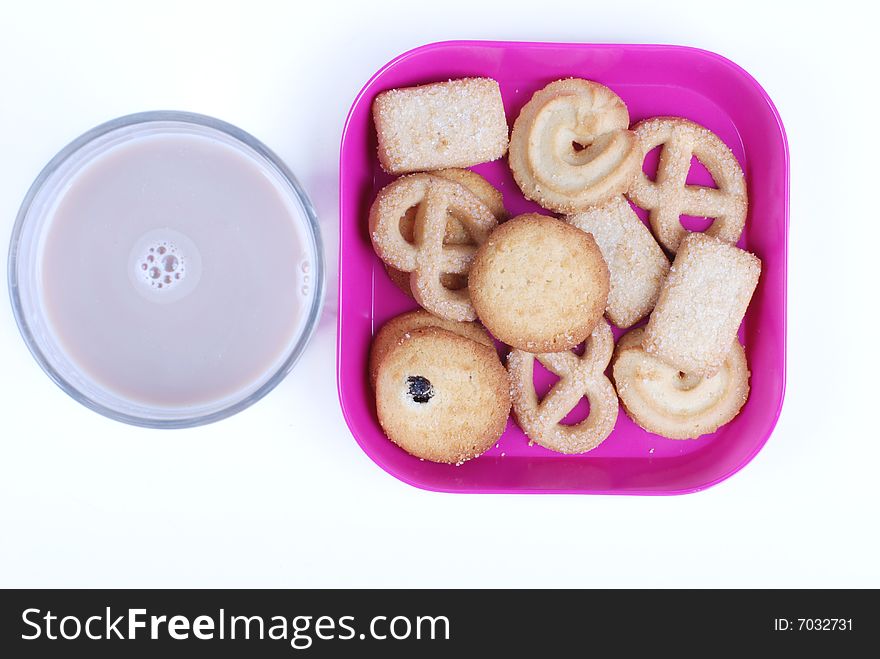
579,376
392,331
636,262
701,305
457,123
427,258
668,196
663,400
539,284
442,397
571,147
455,233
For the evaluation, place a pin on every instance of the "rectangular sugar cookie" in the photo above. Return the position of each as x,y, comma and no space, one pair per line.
636,262
458,123
701,304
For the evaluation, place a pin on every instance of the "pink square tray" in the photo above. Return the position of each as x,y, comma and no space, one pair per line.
652,80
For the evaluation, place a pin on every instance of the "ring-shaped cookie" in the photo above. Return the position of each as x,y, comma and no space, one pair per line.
668,196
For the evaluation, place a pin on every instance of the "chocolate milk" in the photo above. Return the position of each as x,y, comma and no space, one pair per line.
172,271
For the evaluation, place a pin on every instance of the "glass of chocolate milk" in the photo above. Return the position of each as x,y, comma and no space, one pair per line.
166,269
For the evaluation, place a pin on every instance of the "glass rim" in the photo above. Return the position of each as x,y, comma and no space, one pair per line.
294,352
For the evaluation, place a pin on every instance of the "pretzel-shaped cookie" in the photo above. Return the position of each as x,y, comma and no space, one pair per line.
455,232
579,376
427,258
668,196
571,148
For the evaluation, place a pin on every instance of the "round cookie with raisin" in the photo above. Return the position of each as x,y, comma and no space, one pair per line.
392,331
539,284
442,397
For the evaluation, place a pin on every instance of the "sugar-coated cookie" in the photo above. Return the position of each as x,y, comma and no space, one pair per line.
457,123
635,261
669,196
571,147
448,280
539,284
442,397
392,331
701,305
668,402
579,377
427,258
456,234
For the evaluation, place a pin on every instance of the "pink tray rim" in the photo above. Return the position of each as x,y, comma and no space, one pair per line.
557,44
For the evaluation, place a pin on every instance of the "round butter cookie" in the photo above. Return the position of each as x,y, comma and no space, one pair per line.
442,397
666,401
539,284
392,331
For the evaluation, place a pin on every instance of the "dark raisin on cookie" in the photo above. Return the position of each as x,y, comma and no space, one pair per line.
420,389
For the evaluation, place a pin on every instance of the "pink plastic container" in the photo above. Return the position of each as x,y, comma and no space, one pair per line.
652,80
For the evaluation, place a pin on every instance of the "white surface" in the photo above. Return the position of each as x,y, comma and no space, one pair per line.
281,495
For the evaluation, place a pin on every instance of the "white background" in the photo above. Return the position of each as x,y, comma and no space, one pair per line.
281,495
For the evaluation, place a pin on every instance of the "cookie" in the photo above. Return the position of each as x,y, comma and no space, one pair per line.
458,123
427,258
579,377
442,397
701,305
392,331
669,196
455,234
571,147
539,284
636,262
448,280
668,402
